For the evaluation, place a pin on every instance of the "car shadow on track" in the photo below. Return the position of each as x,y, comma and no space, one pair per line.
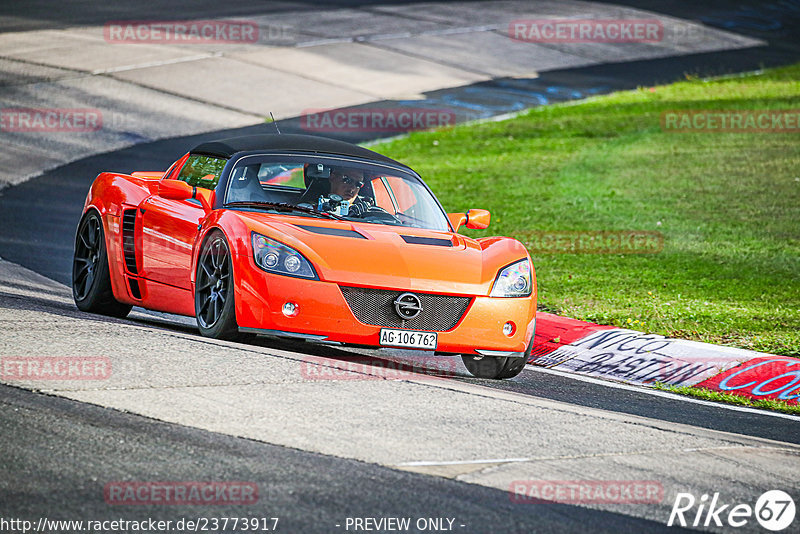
333,361
322,361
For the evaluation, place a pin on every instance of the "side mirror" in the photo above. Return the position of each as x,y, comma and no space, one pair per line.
478,219
457,220
473,219
175,190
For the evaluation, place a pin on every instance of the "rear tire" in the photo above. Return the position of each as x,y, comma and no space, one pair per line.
91,278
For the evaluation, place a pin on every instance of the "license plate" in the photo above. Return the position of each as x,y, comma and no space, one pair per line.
407,338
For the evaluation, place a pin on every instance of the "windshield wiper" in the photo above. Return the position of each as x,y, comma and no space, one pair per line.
281,206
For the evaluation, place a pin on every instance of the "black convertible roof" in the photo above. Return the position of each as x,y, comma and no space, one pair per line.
226,148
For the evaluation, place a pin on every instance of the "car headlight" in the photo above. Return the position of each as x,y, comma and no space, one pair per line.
277,258
513,280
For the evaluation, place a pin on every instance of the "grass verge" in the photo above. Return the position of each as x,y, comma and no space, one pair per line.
730,398
726,204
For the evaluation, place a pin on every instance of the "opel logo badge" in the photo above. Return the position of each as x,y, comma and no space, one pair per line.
407,306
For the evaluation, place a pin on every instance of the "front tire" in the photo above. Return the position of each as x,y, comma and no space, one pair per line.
214,294
496,368
91,278
489,367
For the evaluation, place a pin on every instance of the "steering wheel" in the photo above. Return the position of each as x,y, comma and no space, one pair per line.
365,208
379,213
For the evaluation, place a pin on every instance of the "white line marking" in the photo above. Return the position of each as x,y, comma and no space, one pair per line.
124,68
323,42
657,393
465,29
589,455
400,35
467,462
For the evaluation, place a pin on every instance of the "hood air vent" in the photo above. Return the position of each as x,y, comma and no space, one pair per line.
435,241
324,230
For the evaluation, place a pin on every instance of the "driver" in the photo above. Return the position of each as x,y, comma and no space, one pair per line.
346,183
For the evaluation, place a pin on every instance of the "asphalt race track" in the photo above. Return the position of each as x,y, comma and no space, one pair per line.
183,408
307,492
357,446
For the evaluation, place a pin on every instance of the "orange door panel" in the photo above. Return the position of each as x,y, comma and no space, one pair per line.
169,228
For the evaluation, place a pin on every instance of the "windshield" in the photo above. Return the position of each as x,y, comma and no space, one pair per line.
337,188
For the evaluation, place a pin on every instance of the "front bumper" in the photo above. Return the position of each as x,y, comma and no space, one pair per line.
324,314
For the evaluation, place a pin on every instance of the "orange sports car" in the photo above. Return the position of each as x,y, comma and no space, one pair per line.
306,237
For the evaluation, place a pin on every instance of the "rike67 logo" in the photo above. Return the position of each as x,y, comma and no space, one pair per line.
774,510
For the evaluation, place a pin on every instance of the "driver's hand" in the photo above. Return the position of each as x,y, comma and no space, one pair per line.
360,206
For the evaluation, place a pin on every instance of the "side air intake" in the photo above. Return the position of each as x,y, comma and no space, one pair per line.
135,291
129,240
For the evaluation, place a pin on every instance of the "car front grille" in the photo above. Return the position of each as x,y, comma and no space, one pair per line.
440,313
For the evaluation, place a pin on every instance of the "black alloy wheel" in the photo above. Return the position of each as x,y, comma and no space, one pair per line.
91,280
213,294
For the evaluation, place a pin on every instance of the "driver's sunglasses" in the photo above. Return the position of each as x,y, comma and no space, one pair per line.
351,181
